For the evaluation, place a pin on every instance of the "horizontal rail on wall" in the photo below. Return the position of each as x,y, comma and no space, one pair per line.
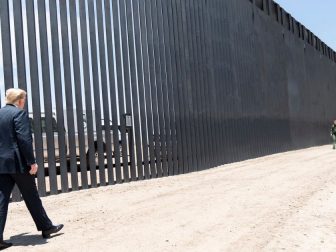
274,10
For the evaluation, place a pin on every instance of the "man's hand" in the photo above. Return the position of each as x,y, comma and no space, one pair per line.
33,169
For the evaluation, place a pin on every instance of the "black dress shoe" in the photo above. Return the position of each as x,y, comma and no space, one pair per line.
52,230
4,245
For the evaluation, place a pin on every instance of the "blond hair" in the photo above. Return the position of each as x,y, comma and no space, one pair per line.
13,95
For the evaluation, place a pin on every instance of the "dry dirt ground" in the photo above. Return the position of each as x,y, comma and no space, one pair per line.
281,202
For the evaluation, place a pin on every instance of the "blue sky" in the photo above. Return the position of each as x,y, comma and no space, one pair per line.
318,16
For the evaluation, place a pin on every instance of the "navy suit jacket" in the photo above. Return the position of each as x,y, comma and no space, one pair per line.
16,148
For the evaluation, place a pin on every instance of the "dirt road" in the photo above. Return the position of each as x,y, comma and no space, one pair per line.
281,202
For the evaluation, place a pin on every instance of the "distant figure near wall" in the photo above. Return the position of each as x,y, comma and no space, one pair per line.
333,134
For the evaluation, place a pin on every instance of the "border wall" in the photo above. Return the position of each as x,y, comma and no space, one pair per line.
126,90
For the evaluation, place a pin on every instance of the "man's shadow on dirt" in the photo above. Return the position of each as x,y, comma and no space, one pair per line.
26,239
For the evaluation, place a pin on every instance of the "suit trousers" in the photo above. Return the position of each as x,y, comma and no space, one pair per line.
27,186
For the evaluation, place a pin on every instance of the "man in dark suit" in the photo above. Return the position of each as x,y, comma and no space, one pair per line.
18,165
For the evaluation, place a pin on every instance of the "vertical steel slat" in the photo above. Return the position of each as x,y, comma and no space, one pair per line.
194,79
159,81
200,81
172,25
132,87
195,28
177,12
152,82
256,139
35,91
233,93
78,94
269,5
168,37
6,44
156,84
126,82
167,149
215,56
205,112
120,85
230,88
249,78
20,55
186,87
153,66
223,79
104,84
138,19
144,28
183,163
223,83
193,87
201,68
99,147
129,153
68,95
235,107
47,97
113,84
213,94
189,80
240,132
207,77
210,81
167,106
58,96
20,65
87,90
